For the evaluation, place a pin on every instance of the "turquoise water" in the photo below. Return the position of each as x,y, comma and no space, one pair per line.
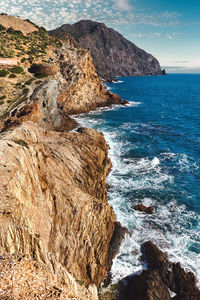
155,152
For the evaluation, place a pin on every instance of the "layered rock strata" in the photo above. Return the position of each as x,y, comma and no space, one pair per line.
53,202
58,234
74,89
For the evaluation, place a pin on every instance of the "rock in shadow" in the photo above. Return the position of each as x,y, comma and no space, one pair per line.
160,280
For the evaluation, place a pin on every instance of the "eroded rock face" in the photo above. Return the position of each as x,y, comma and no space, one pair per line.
160,278
72,87
53,201
83,90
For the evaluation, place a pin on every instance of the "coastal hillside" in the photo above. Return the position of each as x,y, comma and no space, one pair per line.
34,65
113,55
58,234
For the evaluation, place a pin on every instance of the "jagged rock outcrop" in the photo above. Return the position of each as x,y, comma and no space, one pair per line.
58,234
78,89
113,55
162,281
53,202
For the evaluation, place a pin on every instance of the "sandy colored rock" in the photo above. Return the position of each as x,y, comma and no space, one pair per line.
8,62
53,201
53,209
17,23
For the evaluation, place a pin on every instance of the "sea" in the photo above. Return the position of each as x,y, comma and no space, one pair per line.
155,152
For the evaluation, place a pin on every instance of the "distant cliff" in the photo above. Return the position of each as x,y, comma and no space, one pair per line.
113,55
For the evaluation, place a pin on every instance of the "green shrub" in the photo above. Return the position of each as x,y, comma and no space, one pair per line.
18,32
3,97
41,75
17,70
30,60
1,102
38,81
28,82
25,91
21,143
9,101
3,73
12,76
23,60
10,30
2,27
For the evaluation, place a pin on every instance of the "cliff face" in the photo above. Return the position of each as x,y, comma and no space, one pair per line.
53,201
113,55
48,69
58,234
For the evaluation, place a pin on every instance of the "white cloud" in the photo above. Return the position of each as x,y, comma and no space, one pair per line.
123,4
114,13
147,35
173,35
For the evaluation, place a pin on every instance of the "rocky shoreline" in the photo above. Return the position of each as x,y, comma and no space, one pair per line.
58,233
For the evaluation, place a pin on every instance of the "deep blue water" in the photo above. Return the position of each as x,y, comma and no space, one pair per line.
155,151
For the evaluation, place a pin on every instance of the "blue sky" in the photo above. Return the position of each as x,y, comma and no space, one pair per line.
168,29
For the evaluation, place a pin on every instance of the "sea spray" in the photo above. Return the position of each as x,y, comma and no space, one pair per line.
154,149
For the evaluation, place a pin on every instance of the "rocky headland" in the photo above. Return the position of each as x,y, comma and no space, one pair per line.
113,55
58,234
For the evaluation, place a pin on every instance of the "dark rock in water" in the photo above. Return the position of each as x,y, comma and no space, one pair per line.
125,102
118,236
154,257
113,55
161,276
146,286
177,279
143,208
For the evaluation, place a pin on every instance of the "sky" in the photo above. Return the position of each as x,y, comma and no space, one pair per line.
168,29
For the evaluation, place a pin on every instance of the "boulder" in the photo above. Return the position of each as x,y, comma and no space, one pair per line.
161,277
143,208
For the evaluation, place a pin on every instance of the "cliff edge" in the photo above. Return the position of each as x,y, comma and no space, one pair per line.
58,234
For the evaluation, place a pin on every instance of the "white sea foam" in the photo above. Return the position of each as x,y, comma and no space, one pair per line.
165,228
170,226
183,161
118,81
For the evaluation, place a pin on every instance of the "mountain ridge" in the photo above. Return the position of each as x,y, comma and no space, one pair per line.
113,55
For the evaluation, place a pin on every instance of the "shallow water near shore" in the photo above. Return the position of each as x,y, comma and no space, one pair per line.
155,152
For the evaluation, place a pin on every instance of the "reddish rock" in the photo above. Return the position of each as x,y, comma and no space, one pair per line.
143,208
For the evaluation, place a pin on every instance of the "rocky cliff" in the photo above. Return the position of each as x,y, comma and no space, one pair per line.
61,74
58,234
54,205
113,55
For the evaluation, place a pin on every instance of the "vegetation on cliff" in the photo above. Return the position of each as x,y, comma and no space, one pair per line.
57,230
